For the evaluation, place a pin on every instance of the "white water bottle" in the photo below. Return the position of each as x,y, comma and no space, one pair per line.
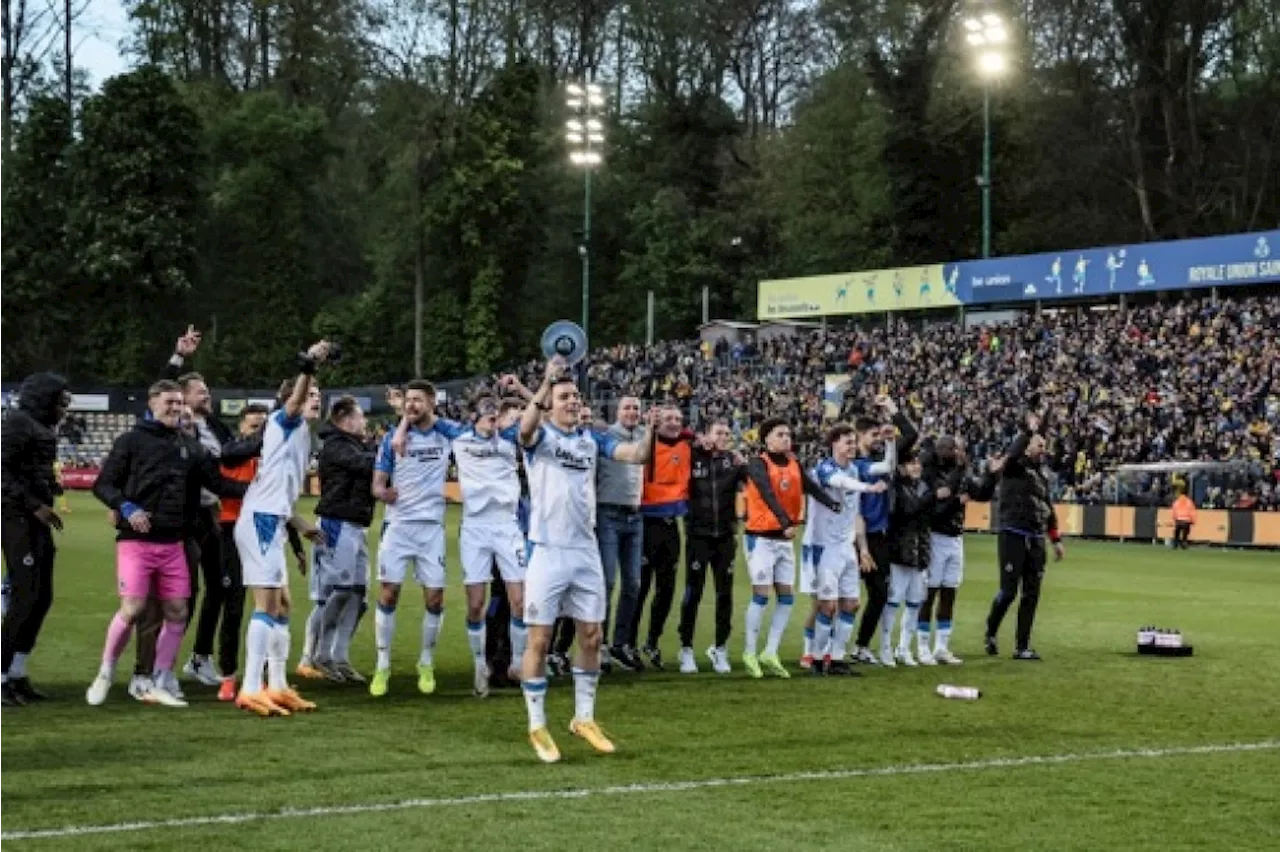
963,693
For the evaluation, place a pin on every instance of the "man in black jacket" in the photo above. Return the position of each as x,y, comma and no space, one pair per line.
1026,519
946,465
27,520
711,528
151,480
340,559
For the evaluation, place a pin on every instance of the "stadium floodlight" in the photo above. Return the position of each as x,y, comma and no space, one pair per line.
986,34
584,132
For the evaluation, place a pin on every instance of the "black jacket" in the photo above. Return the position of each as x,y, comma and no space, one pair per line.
346,477
1024,493
29,445
160,470
714,481
948,515
909,521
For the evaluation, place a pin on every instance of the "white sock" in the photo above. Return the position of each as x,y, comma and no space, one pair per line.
256,639
755,617
535,696
910,619
584,694
106,670
430,633
781,615
312,632
808,639
922,635
822,628
278,654
18,668
384,628
886,627
519,641
844,632
475,639
942,637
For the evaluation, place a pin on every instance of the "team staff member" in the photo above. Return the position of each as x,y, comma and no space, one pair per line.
664,501
715,476
776,488
872,438
27,520
1184,518
1026,520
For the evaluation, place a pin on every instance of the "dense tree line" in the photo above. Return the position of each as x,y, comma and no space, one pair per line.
393,173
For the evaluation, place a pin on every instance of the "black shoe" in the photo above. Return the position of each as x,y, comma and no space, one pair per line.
9,696
840,668
26,691
993,650
626,657
818,668
654,655
1025,654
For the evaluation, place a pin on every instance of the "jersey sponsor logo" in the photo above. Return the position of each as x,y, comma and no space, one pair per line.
574,461
426,454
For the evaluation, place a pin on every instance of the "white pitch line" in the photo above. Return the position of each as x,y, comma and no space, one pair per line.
630,789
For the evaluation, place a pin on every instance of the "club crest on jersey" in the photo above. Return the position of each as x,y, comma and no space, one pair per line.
785,483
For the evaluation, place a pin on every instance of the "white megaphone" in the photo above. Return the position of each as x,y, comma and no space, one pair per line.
565,339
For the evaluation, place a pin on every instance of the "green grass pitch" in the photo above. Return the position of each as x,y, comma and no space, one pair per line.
1094,748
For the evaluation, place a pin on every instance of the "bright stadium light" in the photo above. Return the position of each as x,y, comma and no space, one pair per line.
987,34
584,133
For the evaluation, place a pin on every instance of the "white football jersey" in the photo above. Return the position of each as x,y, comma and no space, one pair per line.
419,475
562,485
489,474
282,470
826,528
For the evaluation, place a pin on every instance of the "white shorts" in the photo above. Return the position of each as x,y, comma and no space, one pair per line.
946,562
260,542
770,561
483,544
834,573
419,542
906,585
341,558
566,581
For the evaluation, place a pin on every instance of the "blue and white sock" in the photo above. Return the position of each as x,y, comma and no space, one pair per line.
535,697
475,640
942,638
922,636
808,639
844,632
755,618
821,636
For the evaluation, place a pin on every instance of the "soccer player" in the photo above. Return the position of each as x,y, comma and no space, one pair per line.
340,560
28,449
151,481
260,536
712,524
488,462
946,465
872,438
776,488
565,574
835,543
412,486
912,504
1026,519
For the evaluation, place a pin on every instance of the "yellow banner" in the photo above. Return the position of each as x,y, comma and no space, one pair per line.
902,289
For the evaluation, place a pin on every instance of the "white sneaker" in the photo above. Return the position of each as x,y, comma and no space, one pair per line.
201,669
168,681
140,687
903,656
688,664
480,686
162,693
719,657
98,690
864,656
886,659
944,656
925,658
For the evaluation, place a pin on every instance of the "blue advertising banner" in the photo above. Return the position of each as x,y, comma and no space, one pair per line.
1112,270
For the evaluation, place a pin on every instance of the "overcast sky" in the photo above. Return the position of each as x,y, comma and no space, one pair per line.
101,29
